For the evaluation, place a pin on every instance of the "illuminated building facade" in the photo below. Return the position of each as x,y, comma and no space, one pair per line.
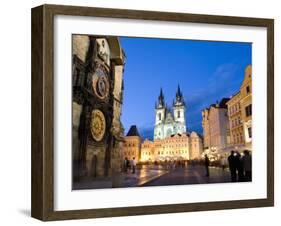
246,106
240,114
171,141
169,121
176,147
132,144
215,125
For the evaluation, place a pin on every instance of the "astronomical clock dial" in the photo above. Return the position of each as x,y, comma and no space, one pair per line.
100,84
98,125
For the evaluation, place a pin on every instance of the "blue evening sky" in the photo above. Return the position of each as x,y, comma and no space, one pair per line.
206,72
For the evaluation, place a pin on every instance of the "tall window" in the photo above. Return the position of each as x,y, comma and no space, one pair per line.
248,89
250,132
248,110
241,137
159,116
179,114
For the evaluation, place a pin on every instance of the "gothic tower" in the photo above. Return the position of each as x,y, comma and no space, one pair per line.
160,108
179,112
169,121
160,112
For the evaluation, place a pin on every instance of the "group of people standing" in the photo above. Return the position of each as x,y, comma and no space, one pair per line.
129,164
240,166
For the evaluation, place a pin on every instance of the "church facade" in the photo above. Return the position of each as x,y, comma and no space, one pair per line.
172,141
169,121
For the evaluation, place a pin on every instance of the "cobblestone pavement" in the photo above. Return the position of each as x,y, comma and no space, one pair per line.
191,175
158,176
143,176
129,179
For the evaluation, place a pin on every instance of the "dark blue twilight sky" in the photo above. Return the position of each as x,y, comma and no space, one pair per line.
206,72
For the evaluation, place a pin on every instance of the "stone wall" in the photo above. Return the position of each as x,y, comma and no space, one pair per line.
80,45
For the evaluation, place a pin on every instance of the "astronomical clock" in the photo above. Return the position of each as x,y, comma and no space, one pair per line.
96,82
100,103
100,83
98,125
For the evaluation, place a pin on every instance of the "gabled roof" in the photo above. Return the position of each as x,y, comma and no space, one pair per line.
133,131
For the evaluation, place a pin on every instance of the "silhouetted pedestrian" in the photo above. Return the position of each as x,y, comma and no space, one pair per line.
232,166
207,163
128,165
239,167
247,163
125,164
134,164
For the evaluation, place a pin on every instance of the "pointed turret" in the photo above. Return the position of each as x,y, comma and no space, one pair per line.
161,100
178,94
179,98
179,112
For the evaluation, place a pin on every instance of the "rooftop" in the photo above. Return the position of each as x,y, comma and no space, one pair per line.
133,131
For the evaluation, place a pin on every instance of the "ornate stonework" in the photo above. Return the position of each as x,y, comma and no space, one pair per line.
98,125
97,130
100,84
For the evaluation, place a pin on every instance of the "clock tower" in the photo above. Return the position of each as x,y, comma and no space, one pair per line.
98,64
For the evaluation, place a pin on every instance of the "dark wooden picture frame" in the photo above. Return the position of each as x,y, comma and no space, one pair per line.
43,120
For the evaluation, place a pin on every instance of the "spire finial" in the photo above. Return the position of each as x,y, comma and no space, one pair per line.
178,91
161,100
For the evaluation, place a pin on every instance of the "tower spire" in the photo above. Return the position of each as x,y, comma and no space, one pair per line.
161,93
179,93
179,97
161,99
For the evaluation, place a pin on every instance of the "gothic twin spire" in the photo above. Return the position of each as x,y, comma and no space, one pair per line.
178,102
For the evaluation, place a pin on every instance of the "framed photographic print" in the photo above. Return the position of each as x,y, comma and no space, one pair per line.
141,112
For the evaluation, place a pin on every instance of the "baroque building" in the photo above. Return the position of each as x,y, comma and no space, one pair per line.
246,106
97,89
169,121
228,125
215,125
240,114
235,121
176,147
